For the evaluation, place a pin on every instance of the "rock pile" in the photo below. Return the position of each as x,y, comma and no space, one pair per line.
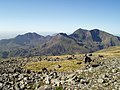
102,75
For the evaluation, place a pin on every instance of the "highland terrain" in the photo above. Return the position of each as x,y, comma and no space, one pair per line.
61,62
80,41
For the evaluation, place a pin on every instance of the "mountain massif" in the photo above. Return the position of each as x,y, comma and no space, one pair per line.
80,41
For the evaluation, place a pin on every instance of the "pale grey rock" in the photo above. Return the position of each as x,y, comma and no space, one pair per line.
1,85
100,80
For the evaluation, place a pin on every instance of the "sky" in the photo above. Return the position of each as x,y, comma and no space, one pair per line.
54,16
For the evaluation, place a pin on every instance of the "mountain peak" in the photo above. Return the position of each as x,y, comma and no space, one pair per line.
80,30
29,35
59,36
96,30
62,34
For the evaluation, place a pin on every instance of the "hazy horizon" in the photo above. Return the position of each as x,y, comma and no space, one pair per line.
54,16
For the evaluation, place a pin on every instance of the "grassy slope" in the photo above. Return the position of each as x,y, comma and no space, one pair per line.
111,52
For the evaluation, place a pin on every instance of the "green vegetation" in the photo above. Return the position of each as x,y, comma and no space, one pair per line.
59,88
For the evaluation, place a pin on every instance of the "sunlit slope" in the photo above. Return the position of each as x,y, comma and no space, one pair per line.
111,51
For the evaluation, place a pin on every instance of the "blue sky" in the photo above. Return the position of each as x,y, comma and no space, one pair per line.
52,16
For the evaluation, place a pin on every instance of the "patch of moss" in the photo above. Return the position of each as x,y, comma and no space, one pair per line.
59,88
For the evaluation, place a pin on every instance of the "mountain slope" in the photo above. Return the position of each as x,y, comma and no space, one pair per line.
80,41
62,44
22,45
95,39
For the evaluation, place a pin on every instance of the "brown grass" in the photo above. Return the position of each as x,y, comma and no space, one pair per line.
66,65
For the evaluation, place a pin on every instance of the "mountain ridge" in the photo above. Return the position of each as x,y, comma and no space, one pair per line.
80,41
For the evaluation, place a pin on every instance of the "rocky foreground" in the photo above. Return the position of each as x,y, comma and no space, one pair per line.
100,74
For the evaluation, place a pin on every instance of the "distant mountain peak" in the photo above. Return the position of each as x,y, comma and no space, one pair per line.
62,34
80,30
96,29
59,36
29,35
27,38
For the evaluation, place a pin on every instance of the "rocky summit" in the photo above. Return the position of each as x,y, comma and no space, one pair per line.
96,72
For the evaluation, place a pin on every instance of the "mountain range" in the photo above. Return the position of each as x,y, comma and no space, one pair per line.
80,41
